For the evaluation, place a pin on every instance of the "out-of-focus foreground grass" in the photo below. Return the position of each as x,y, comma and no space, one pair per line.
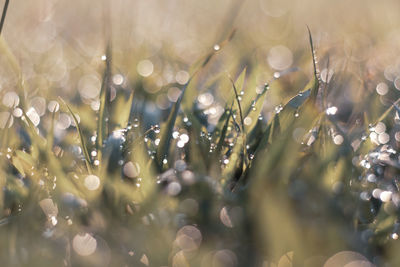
200,133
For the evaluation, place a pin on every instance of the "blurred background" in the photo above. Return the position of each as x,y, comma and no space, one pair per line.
60,44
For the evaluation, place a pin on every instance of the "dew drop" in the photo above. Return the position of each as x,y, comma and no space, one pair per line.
331,110
135,123
395,236
53,106
145,68
184,138
156,128
131,169
174,188
84,244
33,116
92,182
11,99
278,108
175,134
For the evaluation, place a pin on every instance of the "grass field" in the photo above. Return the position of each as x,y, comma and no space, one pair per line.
200,133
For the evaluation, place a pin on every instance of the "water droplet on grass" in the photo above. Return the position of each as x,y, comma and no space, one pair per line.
247,121
131,169
84,244
331,111
385,196
145,68
395,236
118,79
382,88
53,106
135,123
278,108
338,139
174,188
11,99
156,128
92,182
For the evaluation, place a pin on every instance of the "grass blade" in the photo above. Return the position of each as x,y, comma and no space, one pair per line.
314,83
227,115
104,97
50,135
166,131
3,16
81,138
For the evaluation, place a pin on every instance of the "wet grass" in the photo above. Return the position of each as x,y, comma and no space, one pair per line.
221,176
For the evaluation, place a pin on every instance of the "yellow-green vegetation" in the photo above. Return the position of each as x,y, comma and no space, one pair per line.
199,133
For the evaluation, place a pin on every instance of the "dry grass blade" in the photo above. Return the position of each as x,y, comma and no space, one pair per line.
3,16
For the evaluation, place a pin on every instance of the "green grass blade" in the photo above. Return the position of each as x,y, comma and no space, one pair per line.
314,83
239,106
167,129
3,16
227,116
121,110
50,134
81,138
387,112
104,97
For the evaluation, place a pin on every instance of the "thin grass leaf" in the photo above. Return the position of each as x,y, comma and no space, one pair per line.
25,157
221,122
314,83
50,134
104,98
204,61
18,165
3,15
387,112
23,162
4,132
81,138
227,115
285,117
167,129
243,130
166,132
239,105
38,140
122,108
